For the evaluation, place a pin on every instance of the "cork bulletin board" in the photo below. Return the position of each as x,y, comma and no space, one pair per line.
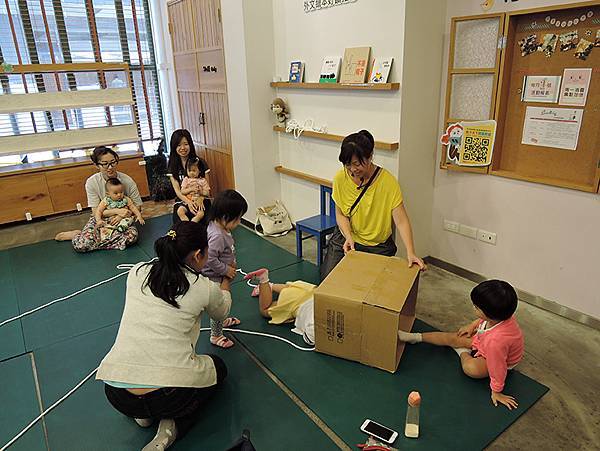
534,48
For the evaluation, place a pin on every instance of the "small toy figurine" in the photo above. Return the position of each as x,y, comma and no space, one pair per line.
279,109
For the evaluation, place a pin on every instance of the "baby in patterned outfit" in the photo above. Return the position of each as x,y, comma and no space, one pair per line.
115,199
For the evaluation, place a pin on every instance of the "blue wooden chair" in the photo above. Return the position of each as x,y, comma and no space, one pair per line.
318,226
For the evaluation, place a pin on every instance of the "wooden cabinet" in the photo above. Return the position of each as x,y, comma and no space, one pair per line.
22,194
137,172
67,187
50,188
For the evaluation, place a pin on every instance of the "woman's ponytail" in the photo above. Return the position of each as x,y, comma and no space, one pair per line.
167,278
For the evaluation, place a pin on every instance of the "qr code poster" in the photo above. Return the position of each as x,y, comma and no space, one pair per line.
477,143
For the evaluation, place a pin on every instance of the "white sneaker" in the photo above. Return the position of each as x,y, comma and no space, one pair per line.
144,422
165,436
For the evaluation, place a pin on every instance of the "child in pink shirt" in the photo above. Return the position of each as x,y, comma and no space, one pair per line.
489,346
196,188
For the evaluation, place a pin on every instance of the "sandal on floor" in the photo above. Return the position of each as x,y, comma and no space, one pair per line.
221,342
231,321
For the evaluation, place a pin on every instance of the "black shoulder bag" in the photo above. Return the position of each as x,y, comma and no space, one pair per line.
364,190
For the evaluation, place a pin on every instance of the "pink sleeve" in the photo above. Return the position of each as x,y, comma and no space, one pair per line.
496,356
204,187
185,183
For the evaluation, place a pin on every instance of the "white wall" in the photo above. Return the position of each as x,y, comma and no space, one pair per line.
420,88
249,59
548,238
310,38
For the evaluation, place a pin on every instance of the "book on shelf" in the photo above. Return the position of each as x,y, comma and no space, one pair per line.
354,65
330,71
296,72
380,71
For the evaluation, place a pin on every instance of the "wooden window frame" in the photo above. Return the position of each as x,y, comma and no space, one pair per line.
474,71
499,95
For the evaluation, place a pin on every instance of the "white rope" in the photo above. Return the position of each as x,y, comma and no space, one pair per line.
126,266
294,127
30,425
250,284
261,334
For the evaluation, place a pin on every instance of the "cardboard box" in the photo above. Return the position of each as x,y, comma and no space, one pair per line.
362,304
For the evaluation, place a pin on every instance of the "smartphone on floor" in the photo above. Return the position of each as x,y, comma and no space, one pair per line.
379,431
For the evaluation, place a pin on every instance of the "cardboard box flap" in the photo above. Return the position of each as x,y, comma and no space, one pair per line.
393,284
354,276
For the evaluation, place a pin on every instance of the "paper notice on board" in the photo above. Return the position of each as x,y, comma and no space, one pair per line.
552,127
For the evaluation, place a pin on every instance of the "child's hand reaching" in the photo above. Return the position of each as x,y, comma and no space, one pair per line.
508,401
230,272
468,330
140,219
465,331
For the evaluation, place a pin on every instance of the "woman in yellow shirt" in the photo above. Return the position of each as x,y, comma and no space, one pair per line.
367,199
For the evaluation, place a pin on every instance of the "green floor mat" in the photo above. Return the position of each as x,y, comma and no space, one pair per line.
19,405
11,335
456,412
49,270
249,400
153,229
254,252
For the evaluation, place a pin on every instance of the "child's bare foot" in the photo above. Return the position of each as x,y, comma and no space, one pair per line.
182,214
222,342
67,236
198,216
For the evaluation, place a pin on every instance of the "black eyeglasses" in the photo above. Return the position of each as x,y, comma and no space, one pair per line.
110,164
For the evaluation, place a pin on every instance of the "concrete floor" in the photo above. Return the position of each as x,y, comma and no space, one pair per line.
559,353
46,228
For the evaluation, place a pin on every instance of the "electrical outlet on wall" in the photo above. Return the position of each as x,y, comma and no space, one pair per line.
451,226
466,230
486,237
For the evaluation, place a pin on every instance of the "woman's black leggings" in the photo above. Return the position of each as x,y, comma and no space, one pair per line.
181,404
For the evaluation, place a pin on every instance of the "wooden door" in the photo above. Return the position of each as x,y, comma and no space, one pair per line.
197,37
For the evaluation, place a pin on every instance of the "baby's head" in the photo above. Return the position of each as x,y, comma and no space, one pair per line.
227,208
495,300
114,189
196,168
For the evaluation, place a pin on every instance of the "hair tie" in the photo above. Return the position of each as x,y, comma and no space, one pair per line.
171,234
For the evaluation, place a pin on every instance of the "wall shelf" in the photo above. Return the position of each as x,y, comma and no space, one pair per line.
330,86
337,138
303,176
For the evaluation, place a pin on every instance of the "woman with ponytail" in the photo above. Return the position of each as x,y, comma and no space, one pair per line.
152,373
367,200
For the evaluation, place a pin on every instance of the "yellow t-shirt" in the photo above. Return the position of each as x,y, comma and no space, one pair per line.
289,301
371,220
